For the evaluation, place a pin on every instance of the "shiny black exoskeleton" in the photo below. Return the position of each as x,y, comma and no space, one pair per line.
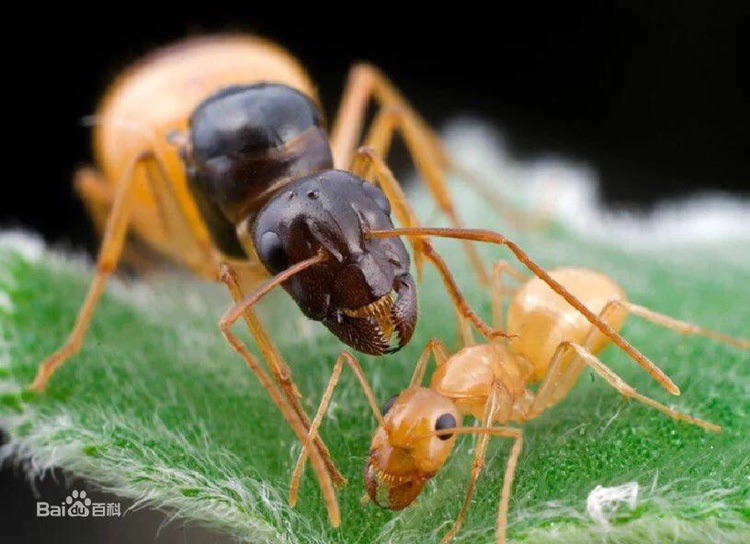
260,168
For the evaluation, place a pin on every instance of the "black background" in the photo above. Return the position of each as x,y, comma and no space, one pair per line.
654,95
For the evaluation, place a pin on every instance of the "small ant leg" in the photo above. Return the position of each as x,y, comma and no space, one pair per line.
480,450
682,327
499,289
312,434
510,471
462,306
496,238
366,82
317,458
559,367
438,349
279,368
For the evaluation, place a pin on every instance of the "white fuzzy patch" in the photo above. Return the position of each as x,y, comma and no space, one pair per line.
603,502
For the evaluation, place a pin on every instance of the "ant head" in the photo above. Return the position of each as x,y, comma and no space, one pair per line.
362,291
406,451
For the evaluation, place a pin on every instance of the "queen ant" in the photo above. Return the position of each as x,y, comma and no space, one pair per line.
214,153
417,428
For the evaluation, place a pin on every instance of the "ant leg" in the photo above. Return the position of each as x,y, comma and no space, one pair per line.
510,472
545,395
682,327
423,246
499,289
279,368
365,159
366,82
316,456
312,434
438,349
480,449
488,236
109,254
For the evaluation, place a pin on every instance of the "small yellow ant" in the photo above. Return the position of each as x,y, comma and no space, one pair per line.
417,428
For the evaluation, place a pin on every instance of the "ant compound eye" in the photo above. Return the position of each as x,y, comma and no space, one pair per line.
377,196
272,252
446,421
388,404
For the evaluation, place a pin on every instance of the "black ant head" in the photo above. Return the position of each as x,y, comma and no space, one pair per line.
362,291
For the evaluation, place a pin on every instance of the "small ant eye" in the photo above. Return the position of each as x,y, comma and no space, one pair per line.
388,404
272,252
446,421
377,195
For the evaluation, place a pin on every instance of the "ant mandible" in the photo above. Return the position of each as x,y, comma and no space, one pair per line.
490,382
213,153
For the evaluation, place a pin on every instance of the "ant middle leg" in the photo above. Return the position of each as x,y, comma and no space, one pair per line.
312,434
110,251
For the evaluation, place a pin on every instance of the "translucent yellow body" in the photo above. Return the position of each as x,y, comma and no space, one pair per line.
542,319
155,98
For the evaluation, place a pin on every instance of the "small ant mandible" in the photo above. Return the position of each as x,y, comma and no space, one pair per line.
490,382
213,152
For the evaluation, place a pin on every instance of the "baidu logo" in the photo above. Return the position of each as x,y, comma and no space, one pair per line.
77,505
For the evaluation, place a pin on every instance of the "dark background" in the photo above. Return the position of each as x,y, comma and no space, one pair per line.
654,95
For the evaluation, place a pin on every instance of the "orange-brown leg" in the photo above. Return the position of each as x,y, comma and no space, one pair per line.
115,230
510,471
498,239
366,82
316,456
438,349
279,368
98,196
500,289
682,327
312,435
561,367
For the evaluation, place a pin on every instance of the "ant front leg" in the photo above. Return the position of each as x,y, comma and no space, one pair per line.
325,401
287,402
510,472
279,368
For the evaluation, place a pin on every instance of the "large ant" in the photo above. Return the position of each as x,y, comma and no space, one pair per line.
417,428
213,152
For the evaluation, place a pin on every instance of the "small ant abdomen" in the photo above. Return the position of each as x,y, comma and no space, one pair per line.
542,319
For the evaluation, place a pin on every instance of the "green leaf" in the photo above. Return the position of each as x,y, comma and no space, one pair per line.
156,406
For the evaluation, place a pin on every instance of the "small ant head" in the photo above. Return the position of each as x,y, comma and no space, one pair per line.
362,291
405,452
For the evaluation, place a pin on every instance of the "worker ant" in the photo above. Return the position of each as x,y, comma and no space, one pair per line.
417,428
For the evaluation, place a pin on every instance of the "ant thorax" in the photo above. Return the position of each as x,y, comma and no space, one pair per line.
468,378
